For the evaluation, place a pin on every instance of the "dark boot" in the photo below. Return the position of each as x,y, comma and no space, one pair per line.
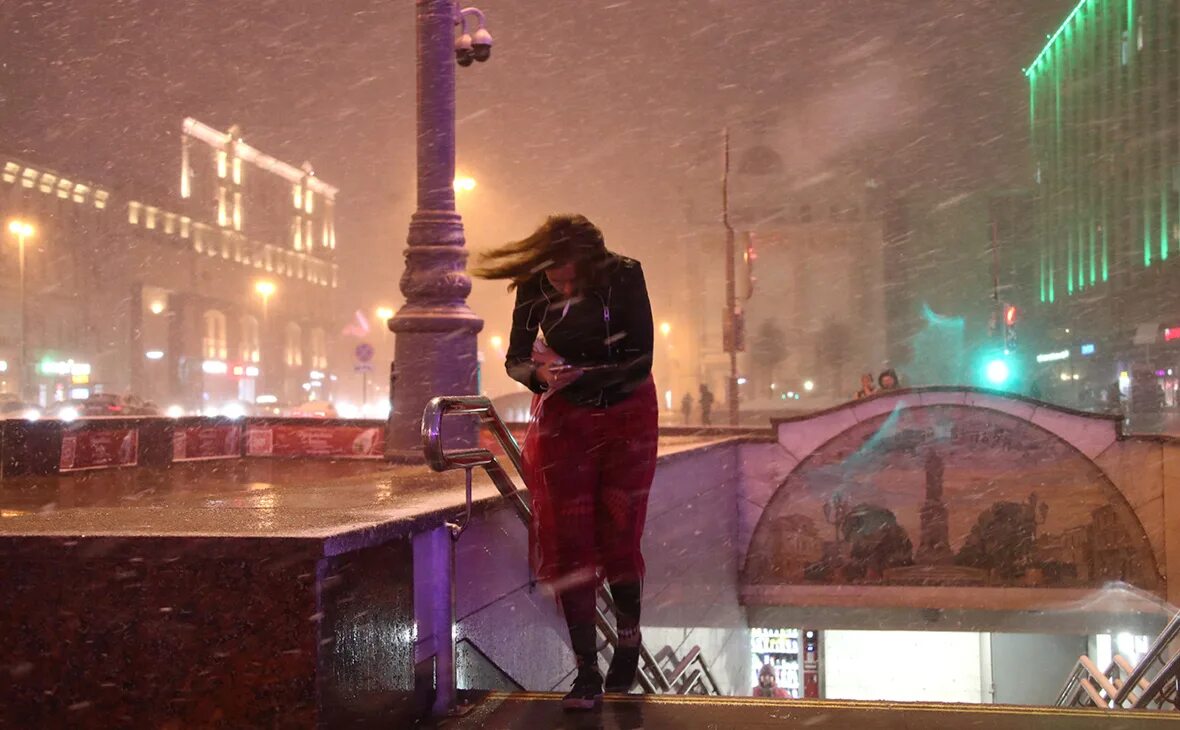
624,665
586,692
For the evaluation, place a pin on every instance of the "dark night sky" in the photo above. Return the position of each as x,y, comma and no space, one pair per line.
611,107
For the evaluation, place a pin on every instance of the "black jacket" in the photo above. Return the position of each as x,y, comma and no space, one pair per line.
608,325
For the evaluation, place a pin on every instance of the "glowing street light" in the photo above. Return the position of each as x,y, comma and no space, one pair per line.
384,314
464,184
22,230
497,342
265,289
665,329
808,385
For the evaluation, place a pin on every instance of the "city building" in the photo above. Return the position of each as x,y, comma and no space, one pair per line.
219,294
1103,95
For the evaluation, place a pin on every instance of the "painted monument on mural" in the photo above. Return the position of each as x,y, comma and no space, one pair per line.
949,496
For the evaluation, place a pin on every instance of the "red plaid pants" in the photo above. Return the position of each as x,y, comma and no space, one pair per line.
589,471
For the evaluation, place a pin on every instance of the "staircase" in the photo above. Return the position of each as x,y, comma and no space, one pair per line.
1152,684
660,673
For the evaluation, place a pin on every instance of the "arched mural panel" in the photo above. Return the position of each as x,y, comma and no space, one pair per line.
949,495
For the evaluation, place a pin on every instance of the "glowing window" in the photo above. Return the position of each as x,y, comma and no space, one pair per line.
222,214
293,349
237,171
237,210
133,213
214,341
47,183
222,159
100,199
249,350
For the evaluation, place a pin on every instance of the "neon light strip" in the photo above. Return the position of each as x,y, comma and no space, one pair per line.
1028,71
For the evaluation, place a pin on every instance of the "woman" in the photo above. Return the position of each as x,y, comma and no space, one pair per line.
768,686
590,454
866,386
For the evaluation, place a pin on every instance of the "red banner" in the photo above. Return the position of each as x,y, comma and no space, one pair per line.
95,449
340,441
190,443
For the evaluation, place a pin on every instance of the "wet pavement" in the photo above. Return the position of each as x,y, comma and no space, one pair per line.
241,497
526,711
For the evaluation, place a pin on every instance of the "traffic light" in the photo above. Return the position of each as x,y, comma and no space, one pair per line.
998,369
1010,316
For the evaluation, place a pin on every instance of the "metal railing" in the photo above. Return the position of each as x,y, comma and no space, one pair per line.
1150,684
651,677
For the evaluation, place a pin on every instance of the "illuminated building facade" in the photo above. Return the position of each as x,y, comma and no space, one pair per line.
1104,97
224,294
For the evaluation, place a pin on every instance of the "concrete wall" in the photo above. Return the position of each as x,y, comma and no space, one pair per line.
690,595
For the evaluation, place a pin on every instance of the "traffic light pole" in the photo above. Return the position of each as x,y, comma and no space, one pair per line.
731,394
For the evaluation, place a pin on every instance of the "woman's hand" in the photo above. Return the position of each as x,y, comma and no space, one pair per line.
557,375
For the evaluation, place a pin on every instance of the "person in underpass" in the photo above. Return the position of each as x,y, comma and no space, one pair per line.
582,340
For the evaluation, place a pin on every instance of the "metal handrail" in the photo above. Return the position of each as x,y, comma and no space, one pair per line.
441,459
1109,689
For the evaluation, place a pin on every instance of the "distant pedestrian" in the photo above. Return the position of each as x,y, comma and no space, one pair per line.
866,386
768,685
887,380
686,408
706,400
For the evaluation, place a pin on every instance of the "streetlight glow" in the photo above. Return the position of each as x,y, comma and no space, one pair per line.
665,329
808,385
464,183
264,287
20,228
384,313
497,342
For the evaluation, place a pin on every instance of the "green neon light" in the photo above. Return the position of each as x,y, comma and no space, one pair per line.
1164,224
1093,258
1105,252
1052,289
1053,38
1042,274
1069,266
1146,233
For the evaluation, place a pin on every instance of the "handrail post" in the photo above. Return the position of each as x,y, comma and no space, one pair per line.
434,614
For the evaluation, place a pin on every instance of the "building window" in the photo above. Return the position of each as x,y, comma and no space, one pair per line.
297,197
10,171
214,340
298,236
169,223
319,350
294,346
63,188
100,199
47,183
222,160
309,234
250,351
185,223
150,219
81,192
237,209
237,171
309,201
133,213
28,178
222,215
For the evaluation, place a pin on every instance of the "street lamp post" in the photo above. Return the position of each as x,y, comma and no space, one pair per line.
435,349
265,288
22,230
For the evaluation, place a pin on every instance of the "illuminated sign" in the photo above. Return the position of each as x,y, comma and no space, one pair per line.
214,367
154,355
1171,333
1053,356
1087,349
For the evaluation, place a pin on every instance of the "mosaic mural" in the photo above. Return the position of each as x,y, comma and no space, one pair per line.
949,496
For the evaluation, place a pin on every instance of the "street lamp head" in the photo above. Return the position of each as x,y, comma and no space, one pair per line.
665,329
384,313
464,183
264,287
20,228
